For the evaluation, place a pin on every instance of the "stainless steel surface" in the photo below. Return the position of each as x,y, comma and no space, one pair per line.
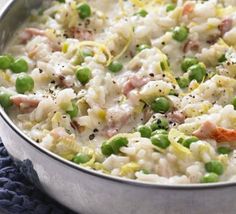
12,14
88,192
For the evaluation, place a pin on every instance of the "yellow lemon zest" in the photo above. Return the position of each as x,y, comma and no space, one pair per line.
100,46
129,168
180,151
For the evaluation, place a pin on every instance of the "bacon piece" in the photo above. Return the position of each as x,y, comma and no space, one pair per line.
188,8
111,132
134,82
81,34
209,130
55,45
28,33
176,116
225,26
116,118
65,81
25,101
212,39
191,45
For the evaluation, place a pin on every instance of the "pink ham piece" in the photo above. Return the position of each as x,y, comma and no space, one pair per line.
209,130
81,34
188,8
25,101
65,81
28,33
191,45
225,26
116,118
111,132
176,117
134,82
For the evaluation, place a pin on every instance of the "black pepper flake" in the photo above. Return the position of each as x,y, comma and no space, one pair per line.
91,137
50,91
40,70
95,130
151,74
53,82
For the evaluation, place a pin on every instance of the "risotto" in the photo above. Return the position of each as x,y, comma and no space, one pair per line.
141,89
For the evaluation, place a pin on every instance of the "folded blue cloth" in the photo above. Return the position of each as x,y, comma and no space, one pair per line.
18,195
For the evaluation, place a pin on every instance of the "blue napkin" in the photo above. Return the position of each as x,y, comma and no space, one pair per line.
20,196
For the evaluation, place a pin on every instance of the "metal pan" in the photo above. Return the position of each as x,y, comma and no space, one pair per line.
89,192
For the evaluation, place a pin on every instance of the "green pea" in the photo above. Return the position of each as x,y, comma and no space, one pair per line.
5,62
173,92
180,140
83,75
159,131
188,141
188,62
115,66
182,82
170,7
24,83
19,66
197,72
117,143
143,47
180,33
145,131
161,123
215,167
222,59
142,13
210,178
61,1
160,105
5,100
224,150
106,149
234,102
145,171
84,11
160,140
74,112
81,158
